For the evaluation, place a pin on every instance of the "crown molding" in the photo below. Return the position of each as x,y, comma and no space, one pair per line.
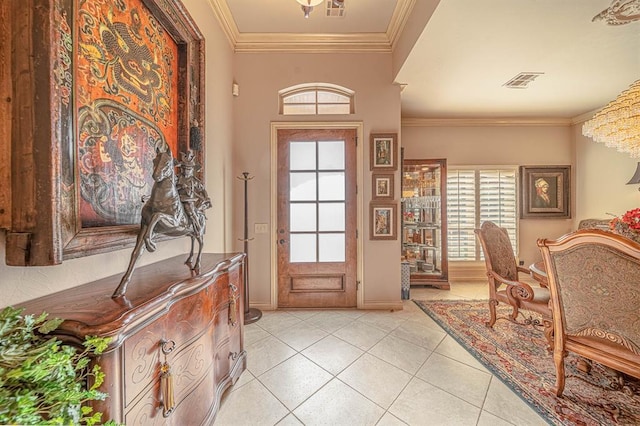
579,119
467,122
312,43
225,19
399,20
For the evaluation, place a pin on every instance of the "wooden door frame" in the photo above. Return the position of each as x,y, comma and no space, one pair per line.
358,126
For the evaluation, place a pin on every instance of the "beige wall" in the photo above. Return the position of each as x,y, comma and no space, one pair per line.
601,177
260,77
18,284
498,145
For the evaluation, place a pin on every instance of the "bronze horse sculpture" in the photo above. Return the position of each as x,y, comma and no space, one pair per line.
174,208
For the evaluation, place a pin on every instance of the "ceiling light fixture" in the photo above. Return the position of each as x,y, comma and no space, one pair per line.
307,5
617,125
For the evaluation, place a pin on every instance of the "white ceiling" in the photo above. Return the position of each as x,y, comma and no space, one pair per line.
466,52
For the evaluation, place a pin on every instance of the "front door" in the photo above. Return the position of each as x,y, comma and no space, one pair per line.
317,218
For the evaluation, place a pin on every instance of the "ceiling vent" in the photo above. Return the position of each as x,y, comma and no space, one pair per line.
335,8
521,80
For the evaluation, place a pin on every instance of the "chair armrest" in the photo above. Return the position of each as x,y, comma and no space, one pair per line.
524,269
516,290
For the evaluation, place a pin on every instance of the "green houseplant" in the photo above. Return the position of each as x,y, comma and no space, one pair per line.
42,380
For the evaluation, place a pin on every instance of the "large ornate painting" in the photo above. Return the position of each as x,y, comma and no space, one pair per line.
118,80
127,107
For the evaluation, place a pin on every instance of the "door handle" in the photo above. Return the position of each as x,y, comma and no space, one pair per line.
282,241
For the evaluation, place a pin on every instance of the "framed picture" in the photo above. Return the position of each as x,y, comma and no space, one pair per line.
383,218
383,151
119,81
545,192
382,185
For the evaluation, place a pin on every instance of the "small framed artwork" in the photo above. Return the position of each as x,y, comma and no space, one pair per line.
382,185
545,192
384,151
383,221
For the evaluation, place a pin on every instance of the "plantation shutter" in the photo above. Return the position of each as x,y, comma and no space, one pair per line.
498,200
475,196
461,214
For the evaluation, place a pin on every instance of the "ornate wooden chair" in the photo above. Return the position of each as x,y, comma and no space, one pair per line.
504,281
594,279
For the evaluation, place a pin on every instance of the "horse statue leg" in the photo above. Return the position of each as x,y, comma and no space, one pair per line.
135,255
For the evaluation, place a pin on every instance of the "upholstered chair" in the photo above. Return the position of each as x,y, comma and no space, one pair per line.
505,285
594,280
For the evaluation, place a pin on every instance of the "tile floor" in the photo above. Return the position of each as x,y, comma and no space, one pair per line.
351,367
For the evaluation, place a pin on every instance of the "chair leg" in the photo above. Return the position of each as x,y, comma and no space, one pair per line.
548,332
558,359
492,311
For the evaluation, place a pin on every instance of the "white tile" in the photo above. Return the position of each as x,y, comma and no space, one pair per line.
378,380
294,380
275,321
361,335
338,404
290,420
452,349
456,378
332,354
417,333
253,333
250,405
384,320
488,419
390,420
266,354
329,321
504,403
303,314
421,403
401,353
300,335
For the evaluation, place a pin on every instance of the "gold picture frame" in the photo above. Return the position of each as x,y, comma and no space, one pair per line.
382,186
384,221
545,192
383,151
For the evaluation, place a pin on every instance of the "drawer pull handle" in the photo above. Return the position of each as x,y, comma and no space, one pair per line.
233,288
233,315
166,389
167,346
166,379
233,355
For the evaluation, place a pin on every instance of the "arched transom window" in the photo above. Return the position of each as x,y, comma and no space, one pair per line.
316,99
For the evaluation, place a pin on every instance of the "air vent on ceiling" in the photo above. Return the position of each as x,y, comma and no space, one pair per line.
335,8
521,80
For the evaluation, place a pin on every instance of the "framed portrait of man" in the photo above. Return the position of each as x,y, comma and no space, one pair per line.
545,192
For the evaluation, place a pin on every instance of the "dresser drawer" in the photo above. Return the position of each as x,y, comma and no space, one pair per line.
187,318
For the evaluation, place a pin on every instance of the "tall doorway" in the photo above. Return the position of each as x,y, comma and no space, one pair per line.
316,218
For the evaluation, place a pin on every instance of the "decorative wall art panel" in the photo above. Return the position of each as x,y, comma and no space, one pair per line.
117,81
126,104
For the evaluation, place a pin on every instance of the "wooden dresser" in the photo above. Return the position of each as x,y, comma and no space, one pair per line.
194,324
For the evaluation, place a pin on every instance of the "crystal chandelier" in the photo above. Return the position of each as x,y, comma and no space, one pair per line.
307,5
617,125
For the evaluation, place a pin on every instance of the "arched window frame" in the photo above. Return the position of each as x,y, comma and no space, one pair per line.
317,106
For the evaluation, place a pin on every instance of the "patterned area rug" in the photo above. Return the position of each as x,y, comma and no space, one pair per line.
518,356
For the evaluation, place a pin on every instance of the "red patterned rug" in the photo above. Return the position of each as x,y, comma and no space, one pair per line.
517,355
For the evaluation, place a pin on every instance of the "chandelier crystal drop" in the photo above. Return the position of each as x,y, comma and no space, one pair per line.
617,125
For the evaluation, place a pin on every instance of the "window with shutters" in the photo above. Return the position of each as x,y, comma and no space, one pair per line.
314,99
475,195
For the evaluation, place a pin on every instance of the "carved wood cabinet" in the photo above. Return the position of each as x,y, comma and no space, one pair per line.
190,324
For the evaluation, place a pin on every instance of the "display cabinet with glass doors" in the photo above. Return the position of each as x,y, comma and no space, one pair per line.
424,221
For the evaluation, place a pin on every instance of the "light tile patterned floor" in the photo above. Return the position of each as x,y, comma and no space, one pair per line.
351,367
